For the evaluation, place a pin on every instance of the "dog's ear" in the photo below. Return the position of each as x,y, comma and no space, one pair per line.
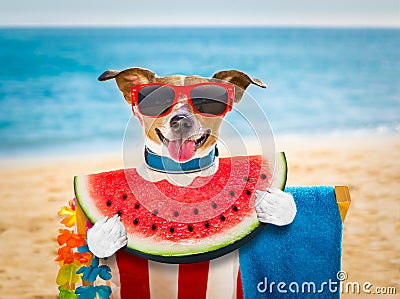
127,78
239,79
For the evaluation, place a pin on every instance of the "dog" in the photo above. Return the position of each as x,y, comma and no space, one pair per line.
182,130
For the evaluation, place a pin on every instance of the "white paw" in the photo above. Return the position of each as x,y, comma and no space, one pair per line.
107,236
275,206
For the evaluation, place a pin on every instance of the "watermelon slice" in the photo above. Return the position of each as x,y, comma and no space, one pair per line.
212,216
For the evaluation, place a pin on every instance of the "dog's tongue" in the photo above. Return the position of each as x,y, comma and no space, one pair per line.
181,151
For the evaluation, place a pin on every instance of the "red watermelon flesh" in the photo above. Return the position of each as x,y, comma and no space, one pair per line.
166,220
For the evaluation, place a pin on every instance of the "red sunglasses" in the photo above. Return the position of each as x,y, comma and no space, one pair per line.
208,99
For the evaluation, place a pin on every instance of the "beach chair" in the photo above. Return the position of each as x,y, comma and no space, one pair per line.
294,261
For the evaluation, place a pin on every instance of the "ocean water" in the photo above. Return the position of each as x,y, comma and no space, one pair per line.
321,81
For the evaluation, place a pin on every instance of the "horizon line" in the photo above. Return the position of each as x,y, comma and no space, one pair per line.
144,26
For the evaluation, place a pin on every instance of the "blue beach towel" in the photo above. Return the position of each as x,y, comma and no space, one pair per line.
300,260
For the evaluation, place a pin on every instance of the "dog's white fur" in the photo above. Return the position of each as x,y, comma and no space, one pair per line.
109,235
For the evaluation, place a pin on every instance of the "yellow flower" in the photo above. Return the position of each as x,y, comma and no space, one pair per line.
69,214
67,274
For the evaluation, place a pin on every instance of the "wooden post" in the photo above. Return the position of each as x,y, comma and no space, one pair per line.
343,200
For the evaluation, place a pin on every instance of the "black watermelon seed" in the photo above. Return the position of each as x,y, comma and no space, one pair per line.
263,176
119,213
235,208
231,193
195,211
246,178
206,224
247,192
124,196
135,221
214,205
176,213
155,212
222,217
109,203
137,206
171,229
190,227
154,226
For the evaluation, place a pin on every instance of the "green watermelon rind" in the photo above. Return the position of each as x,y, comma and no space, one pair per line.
279,177
88,209
195,256
205,248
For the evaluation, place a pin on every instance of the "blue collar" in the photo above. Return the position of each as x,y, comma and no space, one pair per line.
167,165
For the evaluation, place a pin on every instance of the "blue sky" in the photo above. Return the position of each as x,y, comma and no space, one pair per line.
371,13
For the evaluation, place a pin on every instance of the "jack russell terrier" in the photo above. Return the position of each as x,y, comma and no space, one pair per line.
181,117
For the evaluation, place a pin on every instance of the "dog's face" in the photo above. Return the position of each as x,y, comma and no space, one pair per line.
181,134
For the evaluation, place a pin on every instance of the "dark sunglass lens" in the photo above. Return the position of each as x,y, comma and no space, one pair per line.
155,100
209,99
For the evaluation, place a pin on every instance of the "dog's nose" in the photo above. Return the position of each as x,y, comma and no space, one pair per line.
181,123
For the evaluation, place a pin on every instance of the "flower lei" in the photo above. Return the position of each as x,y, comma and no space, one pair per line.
77,263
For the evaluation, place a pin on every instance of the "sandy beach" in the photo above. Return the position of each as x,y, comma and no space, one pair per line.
33,190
